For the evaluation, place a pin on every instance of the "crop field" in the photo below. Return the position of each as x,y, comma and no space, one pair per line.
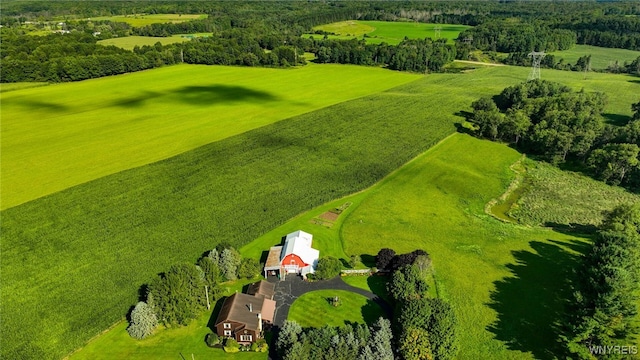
80,255
554,197
387,31
101,126
130,42
601,57
139,20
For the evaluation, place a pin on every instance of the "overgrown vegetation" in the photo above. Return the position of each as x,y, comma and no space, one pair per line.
555,197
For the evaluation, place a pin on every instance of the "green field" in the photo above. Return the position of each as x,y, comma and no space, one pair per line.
139,20
601,57
386,31
553,196
102,126
314,310
139,222
507,283
130,42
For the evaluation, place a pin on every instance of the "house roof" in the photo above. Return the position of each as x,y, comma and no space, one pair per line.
299,243
244,308
262,288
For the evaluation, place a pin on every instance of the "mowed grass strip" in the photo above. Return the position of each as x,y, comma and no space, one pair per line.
314,309
140,20
507,284
388,31
80,255
601,57
62,135
130,42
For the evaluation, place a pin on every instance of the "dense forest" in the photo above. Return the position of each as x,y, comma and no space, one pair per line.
268,34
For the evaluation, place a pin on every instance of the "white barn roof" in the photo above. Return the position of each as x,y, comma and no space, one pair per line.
299,243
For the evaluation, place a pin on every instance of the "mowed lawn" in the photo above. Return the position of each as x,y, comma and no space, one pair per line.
130,42
139,20
314,309
601,57
506,283
61,135
388,31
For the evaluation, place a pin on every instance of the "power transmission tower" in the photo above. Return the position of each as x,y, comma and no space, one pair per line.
536,59
468,40
437,30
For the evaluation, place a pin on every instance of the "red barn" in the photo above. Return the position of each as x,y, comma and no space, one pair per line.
296,256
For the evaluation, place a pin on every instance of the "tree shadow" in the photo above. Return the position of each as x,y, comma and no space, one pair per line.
531,303
212,94
588,230
368,260
616,119
136,101
372,311
378,286
35,105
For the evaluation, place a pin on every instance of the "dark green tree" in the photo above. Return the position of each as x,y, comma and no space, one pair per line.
328,268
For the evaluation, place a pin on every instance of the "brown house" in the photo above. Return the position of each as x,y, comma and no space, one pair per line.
243,316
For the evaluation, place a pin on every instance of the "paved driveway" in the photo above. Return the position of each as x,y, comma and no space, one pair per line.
288,290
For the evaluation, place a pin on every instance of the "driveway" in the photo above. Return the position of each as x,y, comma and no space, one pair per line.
288,290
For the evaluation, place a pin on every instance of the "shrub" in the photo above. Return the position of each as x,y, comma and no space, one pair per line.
143,321
254,347
384,257
231,346
262,345
212,339
248,268
354,260
328,267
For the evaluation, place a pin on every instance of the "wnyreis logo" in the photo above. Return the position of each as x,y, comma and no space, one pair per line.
614,350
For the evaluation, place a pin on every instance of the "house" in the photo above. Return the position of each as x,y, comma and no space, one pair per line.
296,256
244,316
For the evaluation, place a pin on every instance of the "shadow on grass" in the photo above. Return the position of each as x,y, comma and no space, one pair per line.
530,305
588,230
368,260
378,286
371,312
35,105
616,119
191,95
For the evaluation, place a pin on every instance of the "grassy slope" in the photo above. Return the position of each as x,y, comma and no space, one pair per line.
600,57
386,31
561,197
314,310
139,20
62,135
80,255
506,283
130,42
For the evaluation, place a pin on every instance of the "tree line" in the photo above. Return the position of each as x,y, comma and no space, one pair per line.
425,327
550,120
604,309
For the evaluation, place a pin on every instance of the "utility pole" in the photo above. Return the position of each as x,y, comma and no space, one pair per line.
206,292
536,59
